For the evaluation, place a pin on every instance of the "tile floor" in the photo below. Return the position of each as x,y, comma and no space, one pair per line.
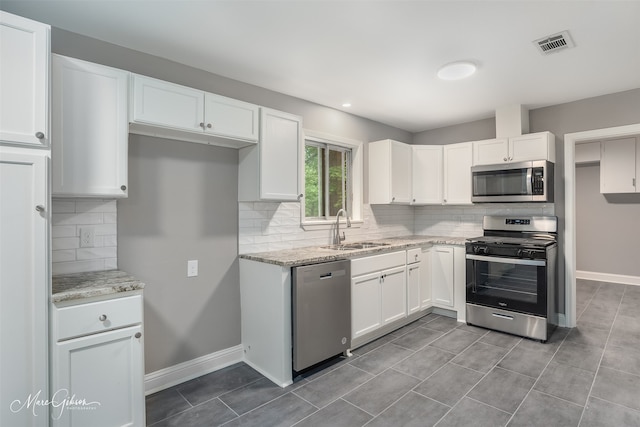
438,372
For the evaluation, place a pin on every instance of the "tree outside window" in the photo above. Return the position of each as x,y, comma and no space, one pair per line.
327,180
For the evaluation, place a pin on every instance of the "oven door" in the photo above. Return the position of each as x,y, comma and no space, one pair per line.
508,283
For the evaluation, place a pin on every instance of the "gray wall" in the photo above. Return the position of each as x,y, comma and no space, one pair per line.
470,131
607,231
183,205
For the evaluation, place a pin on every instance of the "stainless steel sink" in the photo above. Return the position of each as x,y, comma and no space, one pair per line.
355,245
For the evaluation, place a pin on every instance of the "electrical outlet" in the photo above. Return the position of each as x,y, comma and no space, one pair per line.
192,268
87,237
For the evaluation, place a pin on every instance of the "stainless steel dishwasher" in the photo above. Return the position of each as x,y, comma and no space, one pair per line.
321,312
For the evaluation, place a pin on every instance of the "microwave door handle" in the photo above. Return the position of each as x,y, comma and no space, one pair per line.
529,181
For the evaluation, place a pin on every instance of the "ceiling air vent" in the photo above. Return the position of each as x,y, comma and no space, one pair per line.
554,43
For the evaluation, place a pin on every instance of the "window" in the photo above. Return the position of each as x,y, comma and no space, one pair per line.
332,178
326,180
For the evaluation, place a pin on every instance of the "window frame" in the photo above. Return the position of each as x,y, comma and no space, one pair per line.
355,178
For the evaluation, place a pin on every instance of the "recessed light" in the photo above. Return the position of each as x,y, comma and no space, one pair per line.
457,70
346,105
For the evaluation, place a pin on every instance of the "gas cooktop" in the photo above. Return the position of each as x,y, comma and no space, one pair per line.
541,241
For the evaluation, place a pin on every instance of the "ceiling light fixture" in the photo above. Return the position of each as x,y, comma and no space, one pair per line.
346,105
457,70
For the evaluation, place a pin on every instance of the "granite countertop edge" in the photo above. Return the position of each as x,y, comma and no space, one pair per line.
75,286
317,254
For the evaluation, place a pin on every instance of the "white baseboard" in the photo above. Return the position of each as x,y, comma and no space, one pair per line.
607,277
176,374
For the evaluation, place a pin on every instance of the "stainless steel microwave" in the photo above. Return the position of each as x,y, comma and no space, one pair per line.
530,181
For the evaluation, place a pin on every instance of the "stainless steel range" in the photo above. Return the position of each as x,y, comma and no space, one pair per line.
511,275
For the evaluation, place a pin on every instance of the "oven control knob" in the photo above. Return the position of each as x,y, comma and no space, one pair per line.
481,250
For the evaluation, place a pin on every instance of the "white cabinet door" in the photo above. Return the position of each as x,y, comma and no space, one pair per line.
24,285
426,182
393,290
400,172
414,282
90,129
24,81
165,104
366,304
533,146
389,172
279,155
618,166
104,370
442,276
490,151
230,118
458,159
425,278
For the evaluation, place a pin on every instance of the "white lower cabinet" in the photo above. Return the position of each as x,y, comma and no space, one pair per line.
413,288
442,276
98,364
366,306
378,292
393,291
425,278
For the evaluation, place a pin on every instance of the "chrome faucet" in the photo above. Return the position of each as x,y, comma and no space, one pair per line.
339,238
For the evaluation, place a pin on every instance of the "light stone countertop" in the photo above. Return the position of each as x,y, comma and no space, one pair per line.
318,254
66,287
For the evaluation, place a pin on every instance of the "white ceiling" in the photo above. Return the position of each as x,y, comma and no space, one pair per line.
381,56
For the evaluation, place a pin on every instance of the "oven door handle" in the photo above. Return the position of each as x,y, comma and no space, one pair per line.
536,262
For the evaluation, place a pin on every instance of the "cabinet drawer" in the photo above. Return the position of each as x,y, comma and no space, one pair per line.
85,319
414,255
377,262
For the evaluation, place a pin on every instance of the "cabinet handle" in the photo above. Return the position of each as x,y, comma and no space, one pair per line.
202,125
40,208
505,159
209,125
633,180
39,135
300,196
123,187
138,335
102,317
393,199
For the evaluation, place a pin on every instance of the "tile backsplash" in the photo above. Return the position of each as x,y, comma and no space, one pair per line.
69,218
272,226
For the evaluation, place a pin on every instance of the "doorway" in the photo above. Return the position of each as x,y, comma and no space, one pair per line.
570,141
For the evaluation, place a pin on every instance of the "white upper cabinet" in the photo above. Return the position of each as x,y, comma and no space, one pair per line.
169,110
165,104
458,159
533,146
491,151
269,171
389,172
426,182
24,81
89,129
620,165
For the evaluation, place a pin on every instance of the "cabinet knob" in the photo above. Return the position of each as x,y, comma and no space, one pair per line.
39,135
505,159
300,196
209,125
202,125
102,317
123,187
393,199
138,335
40,208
